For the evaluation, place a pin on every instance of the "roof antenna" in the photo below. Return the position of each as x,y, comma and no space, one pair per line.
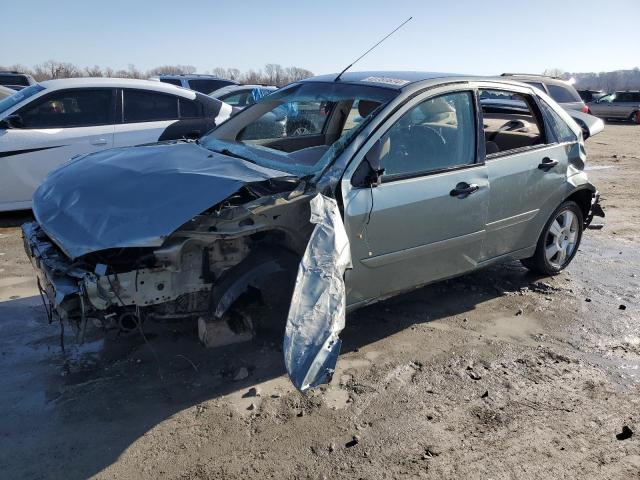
361,56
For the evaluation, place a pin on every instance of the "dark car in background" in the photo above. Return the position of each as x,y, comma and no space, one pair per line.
16,80
560,90
200,83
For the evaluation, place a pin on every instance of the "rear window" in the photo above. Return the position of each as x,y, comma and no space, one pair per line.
141,106
236,99
190,109
536,84
172,81
14,80
563,94
207,85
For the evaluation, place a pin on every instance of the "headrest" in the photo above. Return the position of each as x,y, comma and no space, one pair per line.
365,107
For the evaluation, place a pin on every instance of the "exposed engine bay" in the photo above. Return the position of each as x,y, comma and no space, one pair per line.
119,288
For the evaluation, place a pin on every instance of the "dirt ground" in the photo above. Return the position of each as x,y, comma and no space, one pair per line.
495,375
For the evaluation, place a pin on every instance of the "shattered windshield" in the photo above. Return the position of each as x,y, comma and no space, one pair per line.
301,128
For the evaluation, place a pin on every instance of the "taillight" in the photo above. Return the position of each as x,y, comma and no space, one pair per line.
585,109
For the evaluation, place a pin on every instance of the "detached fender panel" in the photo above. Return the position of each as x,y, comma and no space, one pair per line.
318,304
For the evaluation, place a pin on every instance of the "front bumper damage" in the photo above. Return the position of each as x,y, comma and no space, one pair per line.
75,292
72,292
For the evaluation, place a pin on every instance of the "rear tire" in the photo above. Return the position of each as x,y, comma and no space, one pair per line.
559,240
635,117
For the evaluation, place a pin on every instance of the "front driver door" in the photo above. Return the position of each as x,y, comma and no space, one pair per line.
426,220
55,128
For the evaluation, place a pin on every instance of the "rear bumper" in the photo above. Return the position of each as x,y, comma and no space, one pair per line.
595,211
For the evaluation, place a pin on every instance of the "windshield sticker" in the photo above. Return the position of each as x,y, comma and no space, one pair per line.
388,80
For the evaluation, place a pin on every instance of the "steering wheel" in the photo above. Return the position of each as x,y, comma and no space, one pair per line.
412,144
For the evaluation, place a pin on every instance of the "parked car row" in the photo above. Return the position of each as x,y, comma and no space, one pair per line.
407,177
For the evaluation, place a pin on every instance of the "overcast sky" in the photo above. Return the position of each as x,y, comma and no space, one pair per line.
461,36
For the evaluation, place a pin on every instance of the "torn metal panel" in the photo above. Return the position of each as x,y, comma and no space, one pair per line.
318,305
136,196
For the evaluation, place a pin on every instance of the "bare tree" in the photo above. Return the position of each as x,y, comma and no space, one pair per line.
171,70
273,73
52,69
94,71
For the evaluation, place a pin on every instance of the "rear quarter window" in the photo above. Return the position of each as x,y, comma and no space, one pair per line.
190,109
560,128
207,86
143,106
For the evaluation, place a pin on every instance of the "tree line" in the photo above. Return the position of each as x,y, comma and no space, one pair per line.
271,74
608,81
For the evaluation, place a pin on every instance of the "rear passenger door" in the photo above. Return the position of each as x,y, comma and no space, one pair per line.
145,116
527,170
55,127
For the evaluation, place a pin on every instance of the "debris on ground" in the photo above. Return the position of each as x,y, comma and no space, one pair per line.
625,434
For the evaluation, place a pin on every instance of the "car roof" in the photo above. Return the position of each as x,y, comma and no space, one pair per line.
191,75
98,82
387,79
410,80
532,77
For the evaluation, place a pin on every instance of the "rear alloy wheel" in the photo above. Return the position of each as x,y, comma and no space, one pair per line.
635,117
559,240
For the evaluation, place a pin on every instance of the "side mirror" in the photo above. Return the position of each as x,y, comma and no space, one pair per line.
11,121
369,172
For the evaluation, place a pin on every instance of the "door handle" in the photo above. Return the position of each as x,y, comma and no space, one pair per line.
99,141
547,164
464,189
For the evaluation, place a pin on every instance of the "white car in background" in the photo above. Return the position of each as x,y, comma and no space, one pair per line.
44,125
241,96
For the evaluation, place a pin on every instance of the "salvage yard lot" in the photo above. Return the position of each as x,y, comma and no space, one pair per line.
498,374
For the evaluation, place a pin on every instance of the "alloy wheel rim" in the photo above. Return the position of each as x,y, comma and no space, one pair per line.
562,238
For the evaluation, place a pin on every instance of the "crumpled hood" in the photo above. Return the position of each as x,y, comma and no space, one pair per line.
136,196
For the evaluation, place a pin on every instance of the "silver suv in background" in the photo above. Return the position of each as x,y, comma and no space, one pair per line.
623,105
200,83
560,90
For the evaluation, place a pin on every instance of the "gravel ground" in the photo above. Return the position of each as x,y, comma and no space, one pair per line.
498,374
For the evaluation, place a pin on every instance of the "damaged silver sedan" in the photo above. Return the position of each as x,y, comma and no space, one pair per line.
397,181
